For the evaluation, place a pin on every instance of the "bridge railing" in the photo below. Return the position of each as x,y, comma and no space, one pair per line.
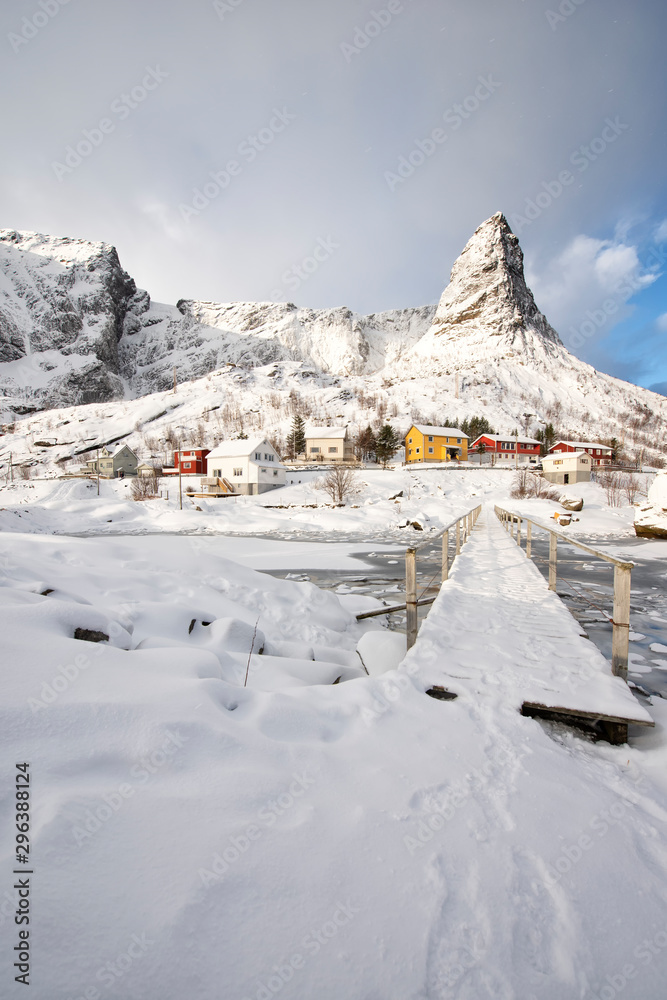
454,536
620,643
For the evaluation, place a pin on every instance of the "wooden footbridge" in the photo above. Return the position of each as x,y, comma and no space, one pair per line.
498,632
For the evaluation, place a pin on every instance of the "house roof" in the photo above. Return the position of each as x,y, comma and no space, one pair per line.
506,437
238,448
325,432
569,454
122,447
440,431
581,444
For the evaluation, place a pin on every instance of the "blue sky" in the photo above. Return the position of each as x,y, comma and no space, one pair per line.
388,130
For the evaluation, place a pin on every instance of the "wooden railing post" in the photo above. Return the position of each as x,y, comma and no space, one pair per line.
458,537
411,596
518,532
553,558
529,538
445,556
621,632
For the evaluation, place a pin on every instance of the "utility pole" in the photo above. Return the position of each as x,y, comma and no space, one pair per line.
97,466
180,488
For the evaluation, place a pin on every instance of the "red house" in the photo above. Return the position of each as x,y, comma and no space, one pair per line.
601,454
497,446
192,462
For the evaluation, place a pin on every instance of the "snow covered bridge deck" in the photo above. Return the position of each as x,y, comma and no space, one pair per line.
497,634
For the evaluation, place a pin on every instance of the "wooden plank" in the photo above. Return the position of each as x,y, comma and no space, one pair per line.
529,706
392,609
412,622
621,622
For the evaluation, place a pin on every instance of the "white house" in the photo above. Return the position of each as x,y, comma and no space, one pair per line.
122,462
567,467
251,466
328,444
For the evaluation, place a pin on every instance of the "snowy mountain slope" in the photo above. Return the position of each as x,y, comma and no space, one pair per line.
486,348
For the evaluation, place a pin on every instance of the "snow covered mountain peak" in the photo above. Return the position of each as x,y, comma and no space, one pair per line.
488,289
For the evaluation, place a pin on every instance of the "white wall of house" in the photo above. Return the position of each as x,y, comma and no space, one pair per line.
328,444
252,467
567,468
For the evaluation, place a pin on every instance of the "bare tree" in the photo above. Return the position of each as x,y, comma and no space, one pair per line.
631,487
529,484
339,484
145,487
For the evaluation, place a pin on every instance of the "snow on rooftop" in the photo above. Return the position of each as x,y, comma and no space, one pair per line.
325,432
582,444
440,431
238,448
506,437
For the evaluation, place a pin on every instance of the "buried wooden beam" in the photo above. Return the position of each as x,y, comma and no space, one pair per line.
614,728
392,609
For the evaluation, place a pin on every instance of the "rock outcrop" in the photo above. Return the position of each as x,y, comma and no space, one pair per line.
651,517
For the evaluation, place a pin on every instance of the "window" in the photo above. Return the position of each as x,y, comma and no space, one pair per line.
238,472
409,440
314,450
430,451
430,438
458,440
275,472
333,451
416,451
186,465
409,451
217,472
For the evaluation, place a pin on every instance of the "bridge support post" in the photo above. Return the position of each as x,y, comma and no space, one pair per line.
529,538
411,623
445,556
518,532
553,558
458,537
621,633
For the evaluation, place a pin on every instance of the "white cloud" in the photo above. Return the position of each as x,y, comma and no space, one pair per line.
661,232
661,322
589,284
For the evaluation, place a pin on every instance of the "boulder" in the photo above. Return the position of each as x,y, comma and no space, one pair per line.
651,517
571,503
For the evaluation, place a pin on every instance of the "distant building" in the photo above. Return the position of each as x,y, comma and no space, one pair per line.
251,466
497,446
601,454
123,462
570,467
192,462
328,444
435,444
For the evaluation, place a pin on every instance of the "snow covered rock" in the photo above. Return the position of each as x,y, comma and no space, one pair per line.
381,651
651,517
571,503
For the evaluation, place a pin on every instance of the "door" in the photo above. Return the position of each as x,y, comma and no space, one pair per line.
566,478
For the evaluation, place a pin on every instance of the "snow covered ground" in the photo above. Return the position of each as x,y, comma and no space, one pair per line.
196,835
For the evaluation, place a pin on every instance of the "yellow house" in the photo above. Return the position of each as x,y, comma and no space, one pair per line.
435,444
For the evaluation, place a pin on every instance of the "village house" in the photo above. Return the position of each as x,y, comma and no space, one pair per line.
601,454
522,450
328,444
122,462
251,466
192,462
435,444
567,468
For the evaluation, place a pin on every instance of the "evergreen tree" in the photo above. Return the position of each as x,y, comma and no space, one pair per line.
365,444
388,443
296,439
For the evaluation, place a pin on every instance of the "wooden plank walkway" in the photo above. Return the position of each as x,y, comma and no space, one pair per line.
496,634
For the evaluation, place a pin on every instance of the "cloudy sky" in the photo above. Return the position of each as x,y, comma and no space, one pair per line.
219,143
